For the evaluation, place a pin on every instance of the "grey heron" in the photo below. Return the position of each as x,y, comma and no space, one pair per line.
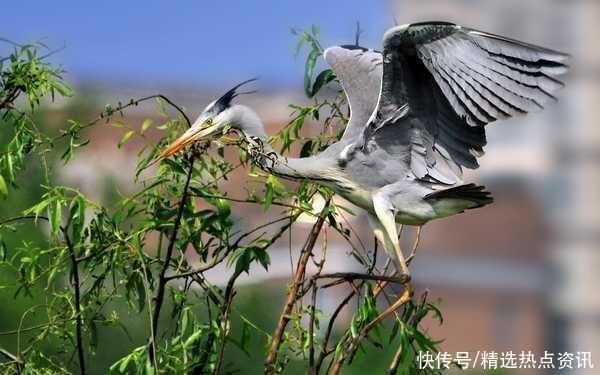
418,115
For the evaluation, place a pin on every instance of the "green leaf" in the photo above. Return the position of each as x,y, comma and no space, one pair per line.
174,166
56,217
77,215
125,137
322,79
125,362
62,88
353,328
161,110
223,207
118,125
309,67
395,329
245,339
193,338
146,125
185,319
243,262
306,149
268,196
3,188
263,258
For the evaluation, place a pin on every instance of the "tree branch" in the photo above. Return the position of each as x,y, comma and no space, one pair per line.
77,287
284,318
224,315
162,279
354,343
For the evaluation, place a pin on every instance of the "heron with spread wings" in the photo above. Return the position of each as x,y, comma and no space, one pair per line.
418,116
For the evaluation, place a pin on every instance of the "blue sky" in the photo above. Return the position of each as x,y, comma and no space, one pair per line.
188,42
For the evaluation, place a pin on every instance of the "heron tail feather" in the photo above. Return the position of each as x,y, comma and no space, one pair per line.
475,195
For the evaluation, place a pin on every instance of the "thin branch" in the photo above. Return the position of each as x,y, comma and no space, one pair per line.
393,369
325,352
9,355
284,318
349,276
220,259
162,279
311,327
354,343
9,98
77,287
313,307
413,253
107,113
229,292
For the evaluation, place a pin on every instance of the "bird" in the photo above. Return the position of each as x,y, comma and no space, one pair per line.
418,112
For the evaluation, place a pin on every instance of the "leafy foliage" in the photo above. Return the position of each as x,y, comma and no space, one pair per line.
136,252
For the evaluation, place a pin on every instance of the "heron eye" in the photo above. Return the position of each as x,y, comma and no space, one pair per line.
209,121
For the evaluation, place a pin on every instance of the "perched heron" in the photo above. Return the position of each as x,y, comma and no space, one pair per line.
418,116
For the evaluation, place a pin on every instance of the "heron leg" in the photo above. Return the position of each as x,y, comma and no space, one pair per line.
379,232
386,223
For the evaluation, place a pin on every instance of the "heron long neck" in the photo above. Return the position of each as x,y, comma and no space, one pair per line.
271,161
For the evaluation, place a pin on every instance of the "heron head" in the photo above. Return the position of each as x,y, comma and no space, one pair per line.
214,120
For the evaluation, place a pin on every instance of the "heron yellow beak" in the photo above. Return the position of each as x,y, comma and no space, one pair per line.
196,132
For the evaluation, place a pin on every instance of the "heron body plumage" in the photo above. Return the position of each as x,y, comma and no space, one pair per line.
418,115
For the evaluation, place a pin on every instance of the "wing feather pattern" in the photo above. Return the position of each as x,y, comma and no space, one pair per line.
451,81
359,70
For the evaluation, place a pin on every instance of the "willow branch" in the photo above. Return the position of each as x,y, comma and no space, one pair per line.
77,287
355,342
229,293
325,352
162,279
224,315
284,318
218,260
313,306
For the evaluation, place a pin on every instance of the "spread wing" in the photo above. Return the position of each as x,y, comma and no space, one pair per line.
442,83
359,70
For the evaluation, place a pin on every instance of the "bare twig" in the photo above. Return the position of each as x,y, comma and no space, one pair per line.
415,246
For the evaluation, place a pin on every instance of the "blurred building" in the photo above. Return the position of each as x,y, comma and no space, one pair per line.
556,157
